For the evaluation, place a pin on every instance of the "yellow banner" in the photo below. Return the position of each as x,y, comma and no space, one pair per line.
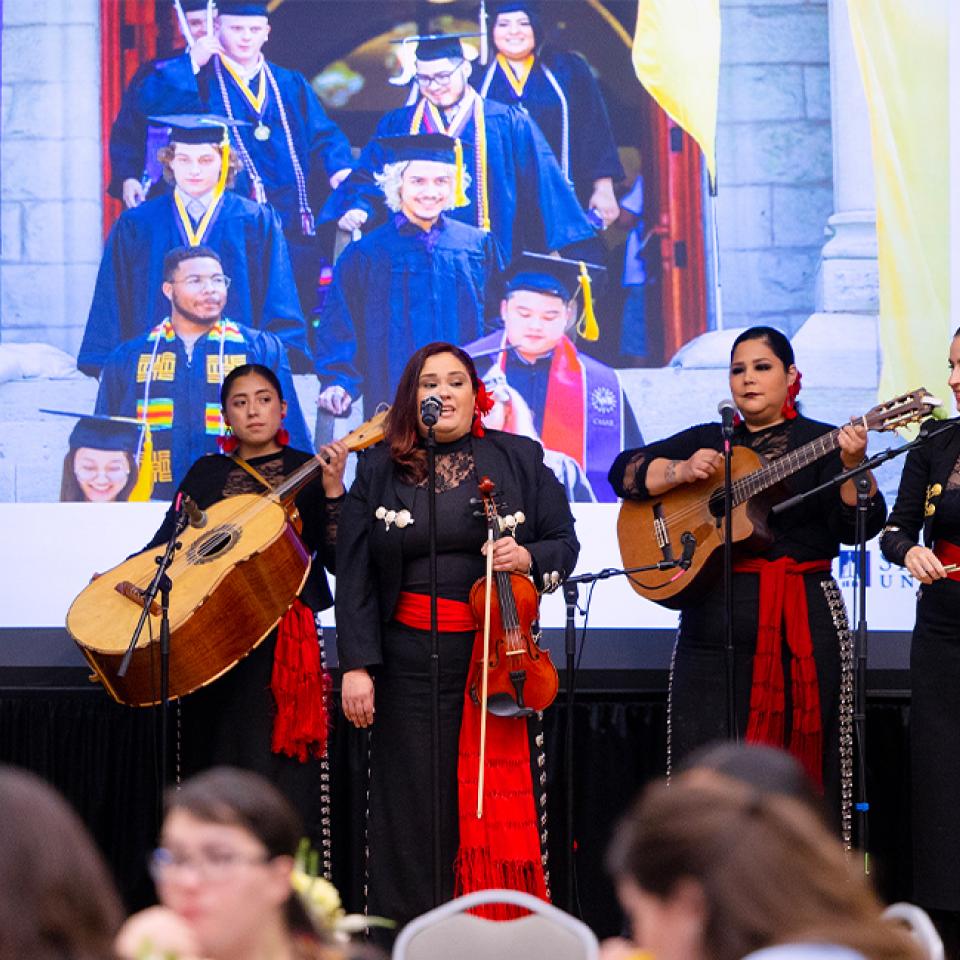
902,52
676,55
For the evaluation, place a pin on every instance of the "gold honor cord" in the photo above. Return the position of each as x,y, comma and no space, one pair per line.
256,100
195,237
458,123
517,81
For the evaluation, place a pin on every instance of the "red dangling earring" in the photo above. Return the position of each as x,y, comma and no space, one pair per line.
789,408
282,437
228,443
482,405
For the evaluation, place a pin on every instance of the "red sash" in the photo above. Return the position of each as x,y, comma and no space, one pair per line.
783,603
563,413
300,687
453,616
948,554
501,850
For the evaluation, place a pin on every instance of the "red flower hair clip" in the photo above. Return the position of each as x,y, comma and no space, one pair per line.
482,406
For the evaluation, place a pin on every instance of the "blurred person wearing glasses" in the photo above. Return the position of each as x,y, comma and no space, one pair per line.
170,377
224,875
518,191
200,208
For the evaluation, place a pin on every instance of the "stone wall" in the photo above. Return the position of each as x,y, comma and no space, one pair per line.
50,169
774,157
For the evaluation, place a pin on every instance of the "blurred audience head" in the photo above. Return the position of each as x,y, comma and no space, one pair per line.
226,854
57,899
768,769
711,868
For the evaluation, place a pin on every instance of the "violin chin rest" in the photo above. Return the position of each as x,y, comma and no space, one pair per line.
503,705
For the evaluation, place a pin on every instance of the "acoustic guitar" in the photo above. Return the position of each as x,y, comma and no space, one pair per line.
687,521
233,579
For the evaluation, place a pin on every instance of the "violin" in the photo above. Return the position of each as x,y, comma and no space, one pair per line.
510,675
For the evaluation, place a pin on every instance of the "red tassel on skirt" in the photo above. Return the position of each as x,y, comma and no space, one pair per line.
783,602
300,687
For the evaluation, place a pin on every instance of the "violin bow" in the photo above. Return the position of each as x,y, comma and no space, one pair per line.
486,668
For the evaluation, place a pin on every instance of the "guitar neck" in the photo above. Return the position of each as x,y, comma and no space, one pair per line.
297,480
785,466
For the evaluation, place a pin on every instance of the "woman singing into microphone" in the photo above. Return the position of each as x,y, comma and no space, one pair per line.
792,652
384,638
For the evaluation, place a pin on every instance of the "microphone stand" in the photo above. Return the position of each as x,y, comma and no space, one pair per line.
431,445
727,428
161,584
570,596
859,475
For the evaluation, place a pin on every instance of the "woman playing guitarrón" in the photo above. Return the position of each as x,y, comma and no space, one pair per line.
788,615
267,713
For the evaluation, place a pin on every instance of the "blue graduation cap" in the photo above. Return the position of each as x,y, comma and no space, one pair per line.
557,277
197,127
421,146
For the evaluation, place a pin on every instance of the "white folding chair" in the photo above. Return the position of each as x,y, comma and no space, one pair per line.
448,931
920,925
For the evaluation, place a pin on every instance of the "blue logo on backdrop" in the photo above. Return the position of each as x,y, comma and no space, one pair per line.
847,563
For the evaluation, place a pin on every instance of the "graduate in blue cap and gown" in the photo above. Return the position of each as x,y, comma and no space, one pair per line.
109,459
562,95
519,192
128,299
289,133
170,378
547,388
134,142
420,277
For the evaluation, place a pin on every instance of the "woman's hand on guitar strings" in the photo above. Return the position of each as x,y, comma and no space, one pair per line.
333,460
702,464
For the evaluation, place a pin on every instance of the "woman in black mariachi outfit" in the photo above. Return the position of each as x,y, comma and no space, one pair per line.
928,502
788,614
384,645
267,713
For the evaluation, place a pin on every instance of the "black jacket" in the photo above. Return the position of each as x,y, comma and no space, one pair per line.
370,557
924,478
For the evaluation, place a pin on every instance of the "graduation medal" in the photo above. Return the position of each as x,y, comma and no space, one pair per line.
261,131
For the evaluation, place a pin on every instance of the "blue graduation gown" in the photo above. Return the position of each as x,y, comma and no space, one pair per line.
128,299
592,150
532,207
396,290
175,88
130,135
608,419
183,408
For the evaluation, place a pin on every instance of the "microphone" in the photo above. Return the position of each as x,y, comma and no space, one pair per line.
195,516
726,409
430,408
689,542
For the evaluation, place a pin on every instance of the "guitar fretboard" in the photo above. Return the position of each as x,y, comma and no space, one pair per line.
785,466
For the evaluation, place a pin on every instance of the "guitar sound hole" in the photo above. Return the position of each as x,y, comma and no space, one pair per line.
213,544
715,504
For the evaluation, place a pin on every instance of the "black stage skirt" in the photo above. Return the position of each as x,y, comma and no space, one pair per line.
231,722
935,746
400,811
698,682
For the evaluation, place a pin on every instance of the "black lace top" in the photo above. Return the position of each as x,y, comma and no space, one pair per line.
460,533
214,478
810,531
